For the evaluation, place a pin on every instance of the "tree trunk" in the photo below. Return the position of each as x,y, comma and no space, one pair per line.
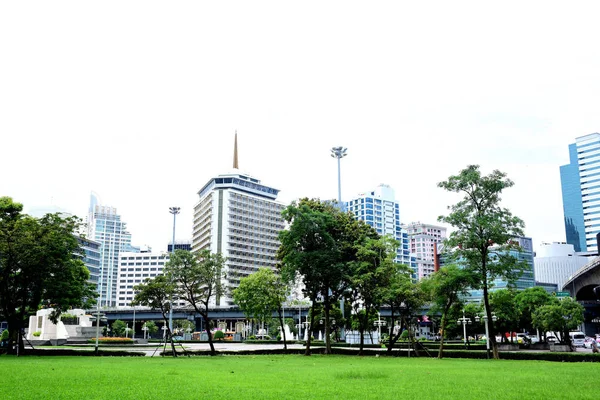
310,327
392,339
207,329
488,313
442,333
281,323
327,338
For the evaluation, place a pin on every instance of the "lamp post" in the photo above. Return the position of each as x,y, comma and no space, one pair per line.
379,323
174,211
145,330
340,152
487,330
465,321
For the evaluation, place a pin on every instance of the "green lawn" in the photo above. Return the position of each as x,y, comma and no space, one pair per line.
292,377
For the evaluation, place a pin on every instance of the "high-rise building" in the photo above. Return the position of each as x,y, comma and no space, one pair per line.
90,255
240,218
423,238
105,227
580,180
379,209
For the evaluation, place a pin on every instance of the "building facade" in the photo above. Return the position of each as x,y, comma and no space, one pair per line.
90,255
423,239
240,218
106,227
556,262
580,181
180,245
379,209
134,268
527,278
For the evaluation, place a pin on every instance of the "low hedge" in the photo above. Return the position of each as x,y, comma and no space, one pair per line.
528,355
109,340
254,341
71,352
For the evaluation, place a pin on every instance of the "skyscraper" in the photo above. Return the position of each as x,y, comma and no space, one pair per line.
580,180
238,217
423,238
379,209
105,226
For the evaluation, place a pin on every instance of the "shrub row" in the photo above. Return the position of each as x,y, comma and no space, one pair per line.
529,355
109,340
70,352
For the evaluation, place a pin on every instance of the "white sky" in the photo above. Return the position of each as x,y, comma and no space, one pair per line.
139,101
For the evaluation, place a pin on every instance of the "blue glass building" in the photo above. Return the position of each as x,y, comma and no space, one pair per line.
379,209
580,181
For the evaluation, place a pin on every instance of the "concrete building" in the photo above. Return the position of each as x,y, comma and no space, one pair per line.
106,227
423,238
555,262
580,181
240,218
379,209
134,268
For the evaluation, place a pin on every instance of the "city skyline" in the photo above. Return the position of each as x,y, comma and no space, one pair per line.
141,105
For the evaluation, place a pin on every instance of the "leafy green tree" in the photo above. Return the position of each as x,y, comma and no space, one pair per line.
157,294
317,248
261,294
198,279
219,335
152,328
370,278
445,288
528,301
484,231
561,317
118,328
507,312
405,299
40,266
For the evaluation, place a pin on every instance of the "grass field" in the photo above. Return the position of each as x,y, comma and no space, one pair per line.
292,377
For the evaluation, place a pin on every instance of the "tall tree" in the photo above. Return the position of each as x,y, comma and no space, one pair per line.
198,280
484,231
318,247
445,288
261,294
371,275
40,266
405,299
157,294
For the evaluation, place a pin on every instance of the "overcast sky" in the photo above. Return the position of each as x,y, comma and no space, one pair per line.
139,101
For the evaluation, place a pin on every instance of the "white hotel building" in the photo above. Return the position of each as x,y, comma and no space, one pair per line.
238,217
556,262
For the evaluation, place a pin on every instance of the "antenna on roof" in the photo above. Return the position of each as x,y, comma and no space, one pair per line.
235,152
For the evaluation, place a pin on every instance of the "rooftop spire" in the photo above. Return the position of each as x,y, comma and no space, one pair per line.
235,154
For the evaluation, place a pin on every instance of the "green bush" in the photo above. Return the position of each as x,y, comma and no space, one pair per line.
219,335
113,340
4,335
38,333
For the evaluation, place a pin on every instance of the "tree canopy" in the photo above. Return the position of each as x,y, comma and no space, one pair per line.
198,279
318,247
484,231
40,266
261,294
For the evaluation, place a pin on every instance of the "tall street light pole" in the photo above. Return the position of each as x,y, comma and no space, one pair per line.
464,321
174,211
340,152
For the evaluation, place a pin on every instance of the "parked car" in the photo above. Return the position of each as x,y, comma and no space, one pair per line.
551,339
